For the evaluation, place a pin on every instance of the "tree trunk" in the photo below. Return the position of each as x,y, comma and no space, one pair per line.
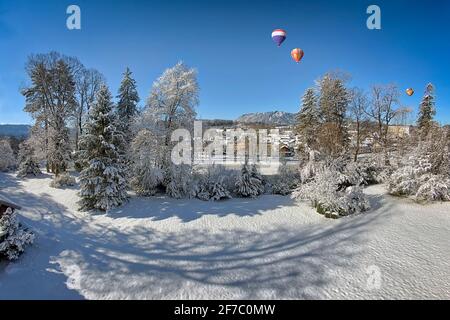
358,138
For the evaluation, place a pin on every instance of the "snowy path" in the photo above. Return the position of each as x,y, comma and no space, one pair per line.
270,247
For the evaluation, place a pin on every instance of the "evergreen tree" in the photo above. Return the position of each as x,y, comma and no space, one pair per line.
249,183
308,120
427,111
27,162
102,181
126,111
257,175
127,105
128,97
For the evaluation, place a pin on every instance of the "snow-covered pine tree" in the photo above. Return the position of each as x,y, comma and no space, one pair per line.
126,111
257,175
213,184
128,100
308,120
178,181
28,165
103,183
427,111
15,240
248,184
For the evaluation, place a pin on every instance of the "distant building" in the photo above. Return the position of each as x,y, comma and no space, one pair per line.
399,131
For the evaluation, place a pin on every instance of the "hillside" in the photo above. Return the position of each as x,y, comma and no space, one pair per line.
14,130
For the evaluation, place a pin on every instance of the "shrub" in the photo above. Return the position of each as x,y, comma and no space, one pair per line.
423,174
284,182
146,180
178,181
366,171
329,195
212,185
16,239
63,181
435,188
7,159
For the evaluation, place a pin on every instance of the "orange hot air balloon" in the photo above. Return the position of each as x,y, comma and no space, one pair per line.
297,54
410,91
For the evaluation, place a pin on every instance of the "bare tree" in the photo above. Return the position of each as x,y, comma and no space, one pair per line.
383,111
358,114
88,83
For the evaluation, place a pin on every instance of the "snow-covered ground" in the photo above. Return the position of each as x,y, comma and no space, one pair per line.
270,247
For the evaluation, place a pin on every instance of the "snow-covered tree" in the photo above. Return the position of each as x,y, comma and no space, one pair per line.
128,100
15,240
102,181
249,183
51,101
7,159
126,111
308,120
170,106
172,102
330,194
427,111
87,83
178,180
213,184
285,181
424,173
333,104
28,165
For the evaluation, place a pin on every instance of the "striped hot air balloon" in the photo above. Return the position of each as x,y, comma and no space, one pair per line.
278,36
297,54
410,91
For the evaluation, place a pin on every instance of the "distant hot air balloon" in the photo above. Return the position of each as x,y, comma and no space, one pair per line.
278,35
410,91
297,54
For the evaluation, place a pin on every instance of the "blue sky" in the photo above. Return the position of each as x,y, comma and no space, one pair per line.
240,69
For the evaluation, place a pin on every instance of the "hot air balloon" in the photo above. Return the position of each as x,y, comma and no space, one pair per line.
278,35
297,54
410,91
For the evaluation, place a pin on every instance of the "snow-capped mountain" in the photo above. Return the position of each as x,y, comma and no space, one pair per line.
273,118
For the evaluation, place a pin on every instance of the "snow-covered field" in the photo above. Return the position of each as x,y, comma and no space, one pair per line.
270,247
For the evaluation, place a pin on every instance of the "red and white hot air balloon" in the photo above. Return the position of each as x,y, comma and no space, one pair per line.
278,36
297,54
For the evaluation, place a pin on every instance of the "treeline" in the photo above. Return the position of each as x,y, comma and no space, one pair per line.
114,144
330,109
118,146
334,121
